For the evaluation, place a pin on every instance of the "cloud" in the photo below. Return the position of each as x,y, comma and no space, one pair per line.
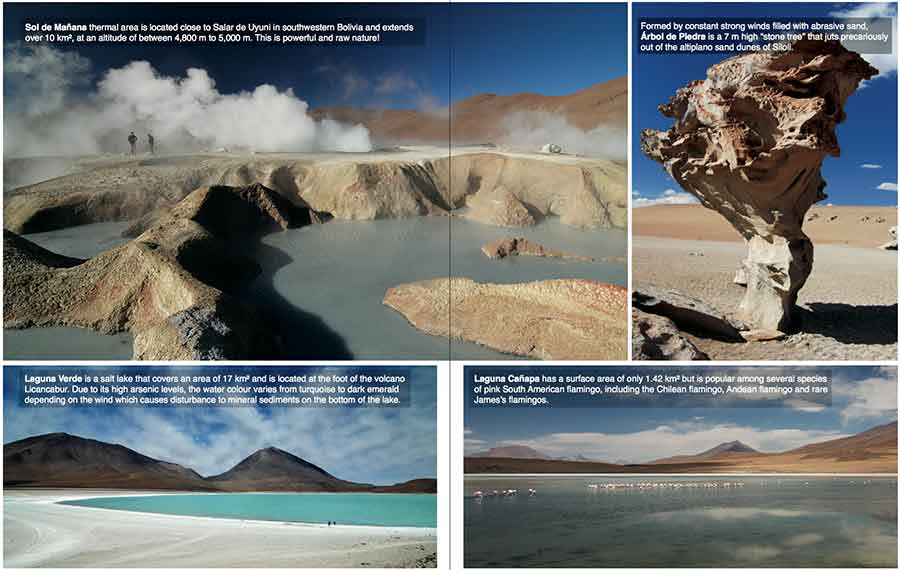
727,514
804,539
676,438
669,196
345,79
867,399
473,444
886,63
47,115
888,186
396,82
534,129
870,166
364,444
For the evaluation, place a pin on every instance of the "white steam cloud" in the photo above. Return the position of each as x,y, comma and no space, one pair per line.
51,110
534,129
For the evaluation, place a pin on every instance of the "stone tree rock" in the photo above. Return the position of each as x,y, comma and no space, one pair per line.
749,142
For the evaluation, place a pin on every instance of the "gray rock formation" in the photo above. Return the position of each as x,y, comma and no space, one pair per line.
583,192
891,245
749,142
654,337
168,287
515,246
688,313
498,207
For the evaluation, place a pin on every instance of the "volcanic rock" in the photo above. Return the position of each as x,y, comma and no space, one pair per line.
688,313
63,460
275,469
167,287
505,247
654,337
498,207
560,319
749,142
584,192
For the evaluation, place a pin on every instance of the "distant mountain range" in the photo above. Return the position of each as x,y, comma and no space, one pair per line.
64,460
872,451
514,451
719,451
482,118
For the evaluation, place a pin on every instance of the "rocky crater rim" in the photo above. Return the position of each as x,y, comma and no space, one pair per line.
169,286
583,192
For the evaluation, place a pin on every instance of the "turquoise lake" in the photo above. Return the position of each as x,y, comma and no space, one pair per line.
369,509
765,522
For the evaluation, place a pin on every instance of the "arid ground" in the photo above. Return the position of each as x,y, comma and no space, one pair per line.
848,307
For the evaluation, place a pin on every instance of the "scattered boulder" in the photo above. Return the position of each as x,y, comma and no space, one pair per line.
749,142
740,277
762,335
560,319
498,207
689,314
891,245
551,148
654,337
506,247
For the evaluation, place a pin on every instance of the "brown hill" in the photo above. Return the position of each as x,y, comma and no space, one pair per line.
63,460
480,118
871,451
876,443
423,485
728,450
272,469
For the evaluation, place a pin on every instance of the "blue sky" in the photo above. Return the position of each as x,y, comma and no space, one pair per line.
552,49
863,397
502,49
868,137
365,445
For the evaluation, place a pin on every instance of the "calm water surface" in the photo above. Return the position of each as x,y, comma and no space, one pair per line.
787,522
370,509
323,285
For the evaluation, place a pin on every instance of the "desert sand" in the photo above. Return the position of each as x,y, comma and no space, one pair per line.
847,309
856,226
40,533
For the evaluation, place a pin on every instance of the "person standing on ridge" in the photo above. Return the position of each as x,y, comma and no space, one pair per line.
150,142
132,140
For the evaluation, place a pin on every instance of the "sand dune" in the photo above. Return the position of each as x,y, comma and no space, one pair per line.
856,226
480,118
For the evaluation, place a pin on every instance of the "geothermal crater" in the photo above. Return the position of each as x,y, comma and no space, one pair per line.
186,285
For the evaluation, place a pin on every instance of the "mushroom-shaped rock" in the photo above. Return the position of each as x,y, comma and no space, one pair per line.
749,142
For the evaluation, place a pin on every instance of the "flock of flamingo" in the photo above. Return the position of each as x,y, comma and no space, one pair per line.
641,485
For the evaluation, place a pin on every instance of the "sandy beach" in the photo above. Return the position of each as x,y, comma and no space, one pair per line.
40,533
848,306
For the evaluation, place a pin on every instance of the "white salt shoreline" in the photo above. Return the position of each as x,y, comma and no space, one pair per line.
40,532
